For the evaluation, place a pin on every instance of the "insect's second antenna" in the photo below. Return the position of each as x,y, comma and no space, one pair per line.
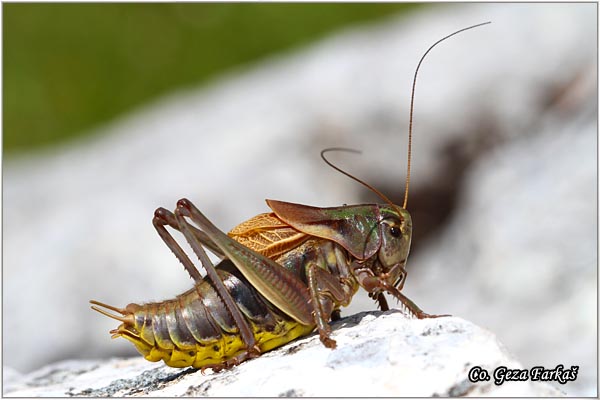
412,100
377,192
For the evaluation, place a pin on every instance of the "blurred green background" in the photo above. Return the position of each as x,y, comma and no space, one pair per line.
69,67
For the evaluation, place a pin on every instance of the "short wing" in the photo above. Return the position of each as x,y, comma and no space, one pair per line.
355,228
278,285
268,235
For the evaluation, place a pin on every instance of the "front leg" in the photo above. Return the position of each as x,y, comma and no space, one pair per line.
414,309
326,292
375,285
381,301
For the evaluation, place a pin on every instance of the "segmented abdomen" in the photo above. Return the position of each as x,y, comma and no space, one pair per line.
195,329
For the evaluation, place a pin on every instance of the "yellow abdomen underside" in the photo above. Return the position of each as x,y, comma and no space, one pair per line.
217,351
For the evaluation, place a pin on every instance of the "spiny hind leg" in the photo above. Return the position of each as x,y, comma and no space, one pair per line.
163,218
197,239
184,209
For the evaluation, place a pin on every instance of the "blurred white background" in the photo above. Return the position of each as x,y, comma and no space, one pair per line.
503,195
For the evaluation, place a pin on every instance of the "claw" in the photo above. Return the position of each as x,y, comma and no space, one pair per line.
328,342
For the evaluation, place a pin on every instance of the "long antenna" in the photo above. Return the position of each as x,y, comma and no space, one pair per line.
410,124
412,100
377,192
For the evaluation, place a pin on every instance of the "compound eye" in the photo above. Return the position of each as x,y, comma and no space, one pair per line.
395,231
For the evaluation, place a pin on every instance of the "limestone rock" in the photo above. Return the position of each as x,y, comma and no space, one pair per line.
518,255
377,354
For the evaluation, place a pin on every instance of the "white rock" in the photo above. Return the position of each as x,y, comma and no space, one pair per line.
378,354
76,220
521,248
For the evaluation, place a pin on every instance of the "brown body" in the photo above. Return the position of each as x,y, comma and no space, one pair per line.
198,329
282,274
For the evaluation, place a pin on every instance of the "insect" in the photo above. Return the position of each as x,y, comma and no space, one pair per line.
281,275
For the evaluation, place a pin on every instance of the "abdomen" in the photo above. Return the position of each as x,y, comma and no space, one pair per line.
195,329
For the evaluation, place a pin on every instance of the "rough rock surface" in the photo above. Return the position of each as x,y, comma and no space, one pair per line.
505,124
378,354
